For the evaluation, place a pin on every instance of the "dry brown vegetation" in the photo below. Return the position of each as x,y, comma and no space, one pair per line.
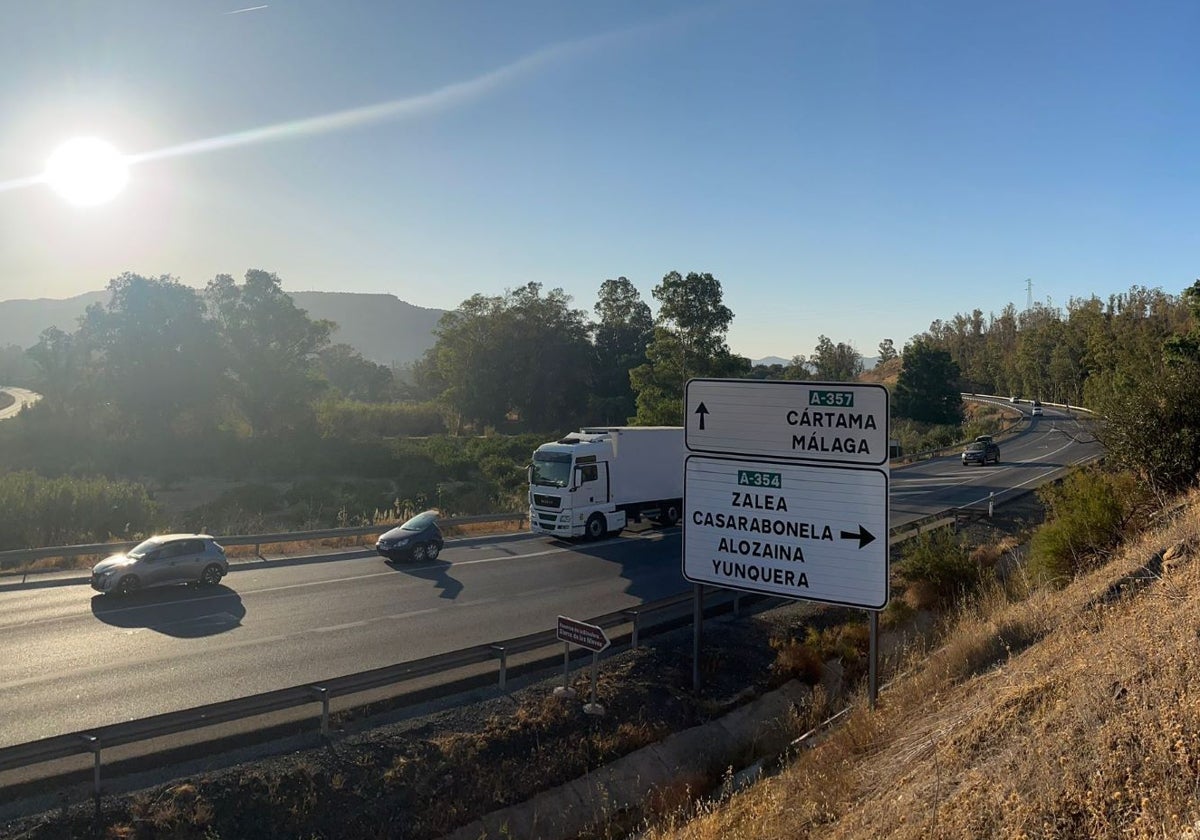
1062,714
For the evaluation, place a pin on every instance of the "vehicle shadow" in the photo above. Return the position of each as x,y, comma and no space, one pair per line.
437,571
184,612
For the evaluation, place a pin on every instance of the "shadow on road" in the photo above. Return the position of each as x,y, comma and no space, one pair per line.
438,571
185,612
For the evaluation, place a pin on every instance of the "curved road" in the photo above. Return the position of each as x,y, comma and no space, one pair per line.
22,397
74,659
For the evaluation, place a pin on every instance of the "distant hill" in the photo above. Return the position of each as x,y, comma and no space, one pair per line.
383,328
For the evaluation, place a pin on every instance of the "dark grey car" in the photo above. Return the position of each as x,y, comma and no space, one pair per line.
166,560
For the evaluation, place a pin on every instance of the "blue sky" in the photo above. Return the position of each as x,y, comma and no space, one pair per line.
856,169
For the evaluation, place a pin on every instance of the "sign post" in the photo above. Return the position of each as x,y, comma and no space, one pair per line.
589,637
786,489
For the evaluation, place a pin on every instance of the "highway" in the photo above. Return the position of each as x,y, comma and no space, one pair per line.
23,398
75,659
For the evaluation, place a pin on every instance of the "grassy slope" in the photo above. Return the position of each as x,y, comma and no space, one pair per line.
1068,714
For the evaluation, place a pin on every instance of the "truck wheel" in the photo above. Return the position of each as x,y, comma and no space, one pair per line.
669,515
596,527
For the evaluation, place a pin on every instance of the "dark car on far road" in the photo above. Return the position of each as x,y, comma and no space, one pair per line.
417,539
980,451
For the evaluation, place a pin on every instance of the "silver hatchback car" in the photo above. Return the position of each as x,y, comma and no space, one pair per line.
162,561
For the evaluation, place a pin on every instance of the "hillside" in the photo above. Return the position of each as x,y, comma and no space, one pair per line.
1069,714
383,328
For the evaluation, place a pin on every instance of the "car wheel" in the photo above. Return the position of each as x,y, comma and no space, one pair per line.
419,552
669,516
211,575
595,527
433,550
128,585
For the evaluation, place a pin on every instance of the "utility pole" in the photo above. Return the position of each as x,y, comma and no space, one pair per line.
1028,293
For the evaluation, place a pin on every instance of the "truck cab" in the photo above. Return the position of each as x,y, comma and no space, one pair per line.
593,482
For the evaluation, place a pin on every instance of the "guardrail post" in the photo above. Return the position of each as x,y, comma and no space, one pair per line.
633,644
323,695
93,744
503,665
991,503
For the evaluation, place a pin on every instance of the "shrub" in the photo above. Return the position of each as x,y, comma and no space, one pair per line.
938,569
360,420
1087,514
37,511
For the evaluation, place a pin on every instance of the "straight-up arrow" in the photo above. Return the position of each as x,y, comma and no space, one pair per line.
701,410
863,536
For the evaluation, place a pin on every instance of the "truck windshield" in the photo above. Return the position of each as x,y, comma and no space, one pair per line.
551,469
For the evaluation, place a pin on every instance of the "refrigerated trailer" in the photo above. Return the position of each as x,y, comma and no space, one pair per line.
597,480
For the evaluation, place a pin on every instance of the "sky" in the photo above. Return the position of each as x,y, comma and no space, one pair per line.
843,167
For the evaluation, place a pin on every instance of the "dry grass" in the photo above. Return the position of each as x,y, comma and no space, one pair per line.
1063,715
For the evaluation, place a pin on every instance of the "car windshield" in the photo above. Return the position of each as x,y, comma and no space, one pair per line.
419,522
551,469
143,548
975,447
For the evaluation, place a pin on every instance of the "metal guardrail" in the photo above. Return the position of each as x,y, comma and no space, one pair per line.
21,555
172,723
95,739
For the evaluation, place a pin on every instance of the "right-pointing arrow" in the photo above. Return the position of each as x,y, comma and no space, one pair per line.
863,536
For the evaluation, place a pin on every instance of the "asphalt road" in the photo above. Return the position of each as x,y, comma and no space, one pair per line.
23,398
74,659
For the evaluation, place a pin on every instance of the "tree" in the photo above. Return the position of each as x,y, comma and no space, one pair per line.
622,332
354,377
155,355
835,362
270,348
521,354
887,350
927,389
688,341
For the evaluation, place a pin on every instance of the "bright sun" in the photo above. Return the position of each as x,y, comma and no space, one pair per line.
86,171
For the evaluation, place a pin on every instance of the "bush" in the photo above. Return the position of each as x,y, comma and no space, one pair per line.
938,569
36,511
1087,514
359,420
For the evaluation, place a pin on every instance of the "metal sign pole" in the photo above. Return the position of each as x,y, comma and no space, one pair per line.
594,708
873,677
565,689
697,622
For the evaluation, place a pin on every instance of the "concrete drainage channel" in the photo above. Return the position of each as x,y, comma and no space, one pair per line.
576,806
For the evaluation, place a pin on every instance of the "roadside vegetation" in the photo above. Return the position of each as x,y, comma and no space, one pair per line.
1043,710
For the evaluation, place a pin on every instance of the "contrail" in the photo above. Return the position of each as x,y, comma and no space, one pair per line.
247,9
449,96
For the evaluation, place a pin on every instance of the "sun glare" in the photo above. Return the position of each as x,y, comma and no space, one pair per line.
86,171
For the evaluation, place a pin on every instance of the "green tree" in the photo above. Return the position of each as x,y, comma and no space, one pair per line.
354,377
927,388
270,351
688,341
835,362
622,332
887,350
523,353
155,355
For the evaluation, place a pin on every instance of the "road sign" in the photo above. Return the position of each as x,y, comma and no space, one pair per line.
587,636
807,531
828,422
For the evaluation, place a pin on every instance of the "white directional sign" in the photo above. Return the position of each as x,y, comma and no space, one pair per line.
819,533
834,422
788,494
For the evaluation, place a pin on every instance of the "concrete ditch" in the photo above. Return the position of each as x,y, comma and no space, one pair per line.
569,809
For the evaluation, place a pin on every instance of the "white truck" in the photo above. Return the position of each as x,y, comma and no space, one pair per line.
595,481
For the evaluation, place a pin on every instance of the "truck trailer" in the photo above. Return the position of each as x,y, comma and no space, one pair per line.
597,480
